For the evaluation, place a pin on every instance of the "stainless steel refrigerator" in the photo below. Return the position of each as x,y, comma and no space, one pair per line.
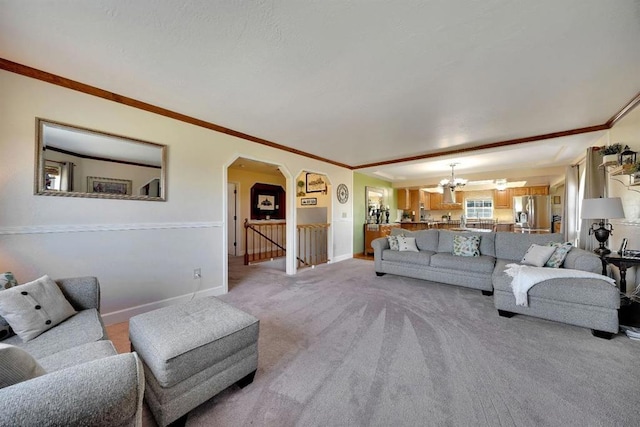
532,212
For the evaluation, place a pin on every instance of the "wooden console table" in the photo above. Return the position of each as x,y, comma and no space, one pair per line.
373,231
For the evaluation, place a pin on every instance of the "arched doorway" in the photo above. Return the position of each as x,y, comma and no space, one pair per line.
313,218
260,220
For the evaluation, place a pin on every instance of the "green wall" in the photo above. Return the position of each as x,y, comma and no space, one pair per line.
361,181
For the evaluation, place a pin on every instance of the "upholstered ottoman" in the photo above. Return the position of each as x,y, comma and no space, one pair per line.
191,352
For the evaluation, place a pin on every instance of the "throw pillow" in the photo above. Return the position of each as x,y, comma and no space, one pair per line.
7,280
466,245
16,365
537,255
5,329
407,244
558,256
393,242
34,307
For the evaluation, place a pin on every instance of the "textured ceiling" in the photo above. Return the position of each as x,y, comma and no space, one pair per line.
352,81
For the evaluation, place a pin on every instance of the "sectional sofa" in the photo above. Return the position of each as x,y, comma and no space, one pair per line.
587,302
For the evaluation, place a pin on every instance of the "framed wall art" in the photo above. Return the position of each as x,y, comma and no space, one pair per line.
267,201
102,185
316,183
309,201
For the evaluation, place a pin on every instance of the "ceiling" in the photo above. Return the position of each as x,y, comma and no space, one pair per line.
357,82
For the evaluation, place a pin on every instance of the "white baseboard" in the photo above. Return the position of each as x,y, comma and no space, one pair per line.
341,258
127,313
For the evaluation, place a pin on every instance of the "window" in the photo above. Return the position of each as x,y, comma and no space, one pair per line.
478,208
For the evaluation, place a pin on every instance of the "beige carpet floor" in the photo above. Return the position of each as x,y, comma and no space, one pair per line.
342,347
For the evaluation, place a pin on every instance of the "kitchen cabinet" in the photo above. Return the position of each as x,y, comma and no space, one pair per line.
541,190
404,199
373,231
519,191
436,203
417,200
502,199
425,198
508,227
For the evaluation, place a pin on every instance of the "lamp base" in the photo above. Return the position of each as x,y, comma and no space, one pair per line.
601,233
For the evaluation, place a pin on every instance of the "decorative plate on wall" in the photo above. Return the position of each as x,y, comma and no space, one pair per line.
343,193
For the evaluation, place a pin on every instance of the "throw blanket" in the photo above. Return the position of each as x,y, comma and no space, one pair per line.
525,276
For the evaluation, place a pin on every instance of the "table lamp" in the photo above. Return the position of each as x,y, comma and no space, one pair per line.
602,209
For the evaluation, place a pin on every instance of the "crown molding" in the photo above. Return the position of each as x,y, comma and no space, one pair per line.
45,76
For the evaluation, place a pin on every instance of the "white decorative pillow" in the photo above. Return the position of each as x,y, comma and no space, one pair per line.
34,307
537,255
16,365
558,256
466,245
393,243
407,244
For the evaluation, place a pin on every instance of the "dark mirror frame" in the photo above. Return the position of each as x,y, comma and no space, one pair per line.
39,172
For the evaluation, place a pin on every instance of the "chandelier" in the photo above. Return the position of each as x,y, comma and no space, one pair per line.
453,182
449,185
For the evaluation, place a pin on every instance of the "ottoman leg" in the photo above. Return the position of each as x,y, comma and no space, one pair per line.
243,382
505,313
180,422
601,334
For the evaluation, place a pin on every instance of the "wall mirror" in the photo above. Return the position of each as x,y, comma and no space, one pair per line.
375,201
76,162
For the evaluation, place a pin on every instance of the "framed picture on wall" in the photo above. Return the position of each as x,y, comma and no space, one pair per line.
556,200
108,185
266,202
309,201
316,183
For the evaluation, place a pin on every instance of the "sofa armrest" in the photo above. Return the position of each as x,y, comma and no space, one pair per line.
82,292
102,392
379,245
580,259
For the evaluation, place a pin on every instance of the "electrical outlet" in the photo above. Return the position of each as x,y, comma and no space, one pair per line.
197,274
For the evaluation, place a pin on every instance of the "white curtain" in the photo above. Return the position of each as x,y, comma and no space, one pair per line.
593,188
66,176
570,224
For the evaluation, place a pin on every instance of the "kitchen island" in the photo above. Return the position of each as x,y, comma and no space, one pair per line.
423,225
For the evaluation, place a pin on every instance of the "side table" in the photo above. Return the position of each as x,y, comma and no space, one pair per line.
629,313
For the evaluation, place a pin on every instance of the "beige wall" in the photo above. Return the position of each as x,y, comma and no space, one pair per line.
142,252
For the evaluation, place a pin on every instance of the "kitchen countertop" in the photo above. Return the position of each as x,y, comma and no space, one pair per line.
446,222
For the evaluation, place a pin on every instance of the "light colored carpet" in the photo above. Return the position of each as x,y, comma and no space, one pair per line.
342,347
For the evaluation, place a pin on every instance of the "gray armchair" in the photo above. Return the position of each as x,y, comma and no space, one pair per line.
87,383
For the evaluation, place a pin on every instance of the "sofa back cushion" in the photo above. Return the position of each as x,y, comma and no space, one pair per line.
487,241
427,240
513,246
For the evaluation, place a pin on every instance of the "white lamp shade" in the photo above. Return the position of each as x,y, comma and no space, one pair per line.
602,208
